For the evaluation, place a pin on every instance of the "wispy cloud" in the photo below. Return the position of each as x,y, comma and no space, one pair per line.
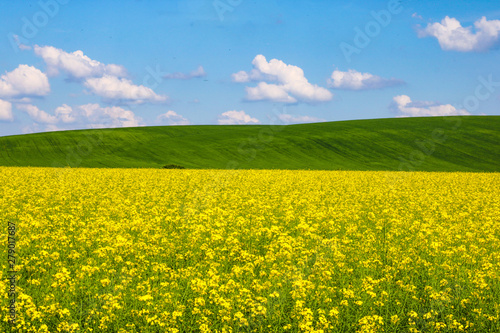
236,117
197,73
354,80
172,118
405,107
109,116
37,115
291,119
88,115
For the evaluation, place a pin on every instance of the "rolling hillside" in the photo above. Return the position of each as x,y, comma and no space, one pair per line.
429,144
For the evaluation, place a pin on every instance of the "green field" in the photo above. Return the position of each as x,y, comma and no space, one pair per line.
427,144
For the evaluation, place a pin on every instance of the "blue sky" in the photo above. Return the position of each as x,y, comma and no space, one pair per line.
68,64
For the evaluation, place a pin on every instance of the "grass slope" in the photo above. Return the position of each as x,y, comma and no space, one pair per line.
429,144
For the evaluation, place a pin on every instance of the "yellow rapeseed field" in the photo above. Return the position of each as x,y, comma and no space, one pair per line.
141,250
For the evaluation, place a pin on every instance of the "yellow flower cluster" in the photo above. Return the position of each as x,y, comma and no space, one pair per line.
141,250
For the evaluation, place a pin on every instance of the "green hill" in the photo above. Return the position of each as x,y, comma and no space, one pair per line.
469,143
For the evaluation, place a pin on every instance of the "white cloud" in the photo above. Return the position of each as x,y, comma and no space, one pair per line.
6,111
236,117
53,128
280,82
406,108
75,64
271,92
31,129
241,77
37,115
65,113
114,116
62,114
197,73
354,80
253,75
172,118
105,80
24,81
121,89
90,115
291,119
453,37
